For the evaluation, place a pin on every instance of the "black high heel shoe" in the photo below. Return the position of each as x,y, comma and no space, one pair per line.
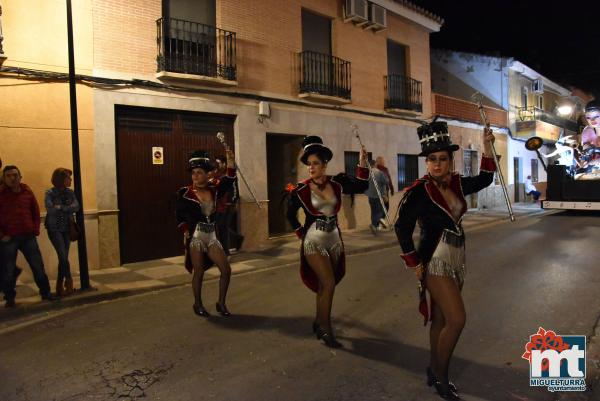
444,391
328,338
431,379
200,311
222,309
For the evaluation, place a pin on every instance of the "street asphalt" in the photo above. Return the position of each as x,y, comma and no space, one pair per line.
540,271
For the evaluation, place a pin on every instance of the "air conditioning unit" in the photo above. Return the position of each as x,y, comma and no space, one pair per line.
377,17
356,11
537,86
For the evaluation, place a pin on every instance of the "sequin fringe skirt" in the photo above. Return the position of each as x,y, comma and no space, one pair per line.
323,242
448,260
203,241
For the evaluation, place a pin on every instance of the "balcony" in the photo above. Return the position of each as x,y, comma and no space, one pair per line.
403,95
192,51
324,78
533,113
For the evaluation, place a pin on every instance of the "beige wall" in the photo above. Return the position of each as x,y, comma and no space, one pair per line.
35,116
35,34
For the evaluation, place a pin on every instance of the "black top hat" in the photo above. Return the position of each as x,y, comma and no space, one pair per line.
313,144
199,159
592,105
434,137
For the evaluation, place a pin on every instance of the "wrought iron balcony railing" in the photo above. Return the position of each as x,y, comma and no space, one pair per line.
324,74
403,93
533,113
193,48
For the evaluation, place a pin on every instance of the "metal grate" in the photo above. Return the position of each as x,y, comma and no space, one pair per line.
324,74
403,93
193,48
408,170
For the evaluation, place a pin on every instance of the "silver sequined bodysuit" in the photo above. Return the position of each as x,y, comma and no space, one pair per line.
448,259
204,236
323,236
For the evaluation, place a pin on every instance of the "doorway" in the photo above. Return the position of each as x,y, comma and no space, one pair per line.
470,169
146,187
283,167
518,177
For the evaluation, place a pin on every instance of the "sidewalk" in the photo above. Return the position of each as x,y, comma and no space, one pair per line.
164,273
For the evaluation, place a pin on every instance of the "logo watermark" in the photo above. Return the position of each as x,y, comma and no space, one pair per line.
556,362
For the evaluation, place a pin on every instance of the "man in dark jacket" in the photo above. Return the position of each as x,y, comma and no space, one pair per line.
19,227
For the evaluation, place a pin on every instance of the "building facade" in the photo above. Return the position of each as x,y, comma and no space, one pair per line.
167,76
529,102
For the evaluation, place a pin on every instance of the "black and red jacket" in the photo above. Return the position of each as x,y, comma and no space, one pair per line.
423,203
189,210
300,197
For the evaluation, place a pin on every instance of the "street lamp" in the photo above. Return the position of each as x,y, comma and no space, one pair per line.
565,110
564,107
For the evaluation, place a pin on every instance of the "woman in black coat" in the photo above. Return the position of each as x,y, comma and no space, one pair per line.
437,202
196,211
322,259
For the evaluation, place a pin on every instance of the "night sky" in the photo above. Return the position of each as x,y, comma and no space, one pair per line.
559,40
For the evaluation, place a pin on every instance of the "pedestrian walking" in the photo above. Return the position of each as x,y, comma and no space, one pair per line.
196,215
377,180
438,202
18,271
389,190
61,204
19,227
322,258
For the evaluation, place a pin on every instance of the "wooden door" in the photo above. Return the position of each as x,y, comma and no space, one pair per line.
146,191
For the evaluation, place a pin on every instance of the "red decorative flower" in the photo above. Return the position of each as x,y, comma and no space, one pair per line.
542,341
290,187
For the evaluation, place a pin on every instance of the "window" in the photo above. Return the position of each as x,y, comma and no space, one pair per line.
540,103
408,170
396,58
351,161
534,170
524,95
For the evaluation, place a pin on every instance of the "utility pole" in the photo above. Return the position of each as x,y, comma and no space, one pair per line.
81,245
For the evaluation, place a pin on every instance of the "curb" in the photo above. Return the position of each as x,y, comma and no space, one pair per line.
94,296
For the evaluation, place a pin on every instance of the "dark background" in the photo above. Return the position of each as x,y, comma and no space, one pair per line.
559,40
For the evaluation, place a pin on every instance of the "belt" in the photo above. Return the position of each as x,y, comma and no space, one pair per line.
205,227
327,224
456,239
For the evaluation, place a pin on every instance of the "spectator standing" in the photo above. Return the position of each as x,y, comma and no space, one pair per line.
19,227
61,203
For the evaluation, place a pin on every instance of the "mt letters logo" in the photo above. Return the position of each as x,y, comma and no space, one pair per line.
556,362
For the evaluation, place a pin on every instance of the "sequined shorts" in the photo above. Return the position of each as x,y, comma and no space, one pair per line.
448,260
204,238
326,243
